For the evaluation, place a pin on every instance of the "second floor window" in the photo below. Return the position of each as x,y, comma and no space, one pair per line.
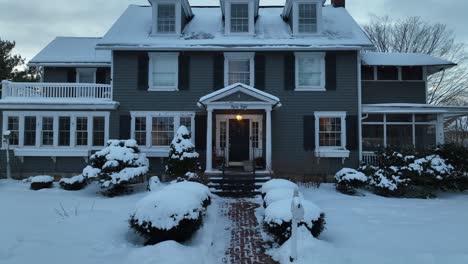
307,18
166,18
310,71
86,75
239,18
239,68
164,69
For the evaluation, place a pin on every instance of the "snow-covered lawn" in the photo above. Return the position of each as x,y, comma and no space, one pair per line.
360,230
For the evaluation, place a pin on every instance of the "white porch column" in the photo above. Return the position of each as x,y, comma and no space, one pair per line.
268,139
440,138
209,141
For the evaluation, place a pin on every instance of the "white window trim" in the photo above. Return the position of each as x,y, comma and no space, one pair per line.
154,56
227,19
178,19
314,55
58,150
159,151
296,17
400,74
239,56
331,152
85,70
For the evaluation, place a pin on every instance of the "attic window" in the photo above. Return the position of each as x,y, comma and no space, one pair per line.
166,18
239,18
307,18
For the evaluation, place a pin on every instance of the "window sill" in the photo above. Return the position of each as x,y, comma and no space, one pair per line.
163,89
331,153
52,152
155,152
310,89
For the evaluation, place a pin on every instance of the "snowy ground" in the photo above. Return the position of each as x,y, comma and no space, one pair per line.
362,230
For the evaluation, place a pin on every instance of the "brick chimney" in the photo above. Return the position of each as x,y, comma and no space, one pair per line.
338,3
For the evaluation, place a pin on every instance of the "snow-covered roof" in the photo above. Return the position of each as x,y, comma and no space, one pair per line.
415,108
64,51
406,59
239,87
205,31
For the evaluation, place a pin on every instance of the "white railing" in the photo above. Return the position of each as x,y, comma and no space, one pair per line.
370,158
56,90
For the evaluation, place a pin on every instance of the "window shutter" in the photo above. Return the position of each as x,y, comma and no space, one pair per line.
101,75
125,121
351,132
71,75
143,65
260,72
330,71
200,132
289,71
184,72
218,71
309,133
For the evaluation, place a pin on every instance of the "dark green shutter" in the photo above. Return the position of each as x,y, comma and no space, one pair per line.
289,71
260,71
352,132
125,126
184,72
330,71
200,132
309,133
71,75
218,71
143,65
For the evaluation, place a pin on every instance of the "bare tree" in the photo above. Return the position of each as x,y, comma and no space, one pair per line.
414,35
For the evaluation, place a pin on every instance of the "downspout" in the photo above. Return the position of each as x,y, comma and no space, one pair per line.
359,105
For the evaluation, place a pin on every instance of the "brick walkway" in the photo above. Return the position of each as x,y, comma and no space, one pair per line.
247,245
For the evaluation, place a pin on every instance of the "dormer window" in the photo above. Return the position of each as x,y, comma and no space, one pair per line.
166,18
239,18
304,16
307,19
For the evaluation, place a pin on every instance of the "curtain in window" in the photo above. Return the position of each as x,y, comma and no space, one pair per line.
165,71
310,71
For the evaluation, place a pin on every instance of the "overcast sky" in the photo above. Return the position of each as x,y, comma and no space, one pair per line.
33,24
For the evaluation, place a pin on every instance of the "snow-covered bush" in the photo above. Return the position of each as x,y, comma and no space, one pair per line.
189,176
41,182
279,194
277,184
278,219
174,213
154,184
387,182
182,155
347,180
74,183
119,164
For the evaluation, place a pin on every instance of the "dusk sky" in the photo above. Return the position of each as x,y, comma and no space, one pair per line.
33,24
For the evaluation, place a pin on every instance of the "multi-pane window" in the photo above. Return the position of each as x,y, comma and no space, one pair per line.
140,130
64,131
330,132
13,127
47,131
99,127
307,18
166,18
387,73
310,72
81,132
255,135
162,131
222,134
187,122
239,18
164,71
367,73
239,71
86,75
30,131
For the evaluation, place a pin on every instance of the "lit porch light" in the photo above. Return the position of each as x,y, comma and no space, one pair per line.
239,117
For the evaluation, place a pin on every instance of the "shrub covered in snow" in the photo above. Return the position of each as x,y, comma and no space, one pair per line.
278,219
74,183
174,213
279,194
277,184
41,182
189,176
182,155
119,164
154,184
349,179
387,182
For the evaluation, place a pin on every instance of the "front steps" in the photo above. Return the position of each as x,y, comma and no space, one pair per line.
237,184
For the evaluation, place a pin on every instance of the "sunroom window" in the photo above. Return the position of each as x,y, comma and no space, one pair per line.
166,18
310,71
239,18
387,73
164,73
307,18
86,75
13,127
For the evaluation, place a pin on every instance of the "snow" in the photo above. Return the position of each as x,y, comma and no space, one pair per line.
278,184
74,179
402,59
347,174
181,144
280,211
413,108
200,191
42,179
72,50
206,31
6,133
154,184
91,172
436,163
275,195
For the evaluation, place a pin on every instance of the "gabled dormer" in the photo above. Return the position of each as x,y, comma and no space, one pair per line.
239,16
170,17
304,16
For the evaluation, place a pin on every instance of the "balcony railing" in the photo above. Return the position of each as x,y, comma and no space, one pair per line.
56,91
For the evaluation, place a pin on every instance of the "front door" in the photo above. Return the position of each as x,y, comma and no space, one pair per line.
239,140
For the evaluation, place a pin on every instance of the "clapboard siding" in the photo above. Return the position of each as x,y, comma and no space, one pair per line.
378,92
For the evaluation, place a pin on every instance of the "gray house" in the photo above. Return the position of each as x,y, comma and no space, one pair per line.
293,89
